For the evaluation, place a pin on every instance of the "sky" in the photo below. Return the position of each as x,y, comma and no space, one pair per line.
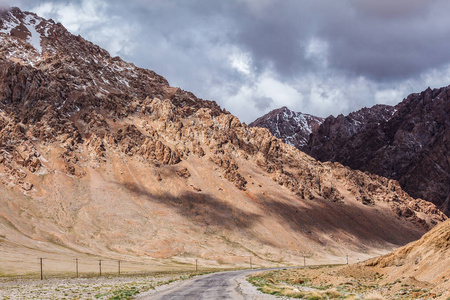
322,57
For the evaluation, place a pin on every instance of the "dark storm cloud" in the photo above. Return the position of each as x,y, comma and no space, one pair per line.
380,39
263,102
276,34
389,39
388,9
321,57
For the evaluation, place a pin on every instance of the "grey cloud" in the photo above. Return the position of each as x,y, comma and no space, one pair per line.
275,36
378,39
390,49
386,43
263,103
388,9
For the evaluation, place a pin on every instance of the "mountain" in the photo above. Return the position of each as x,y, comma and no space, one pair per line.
407,142
291,127
335,132
426,260
411,146
100,157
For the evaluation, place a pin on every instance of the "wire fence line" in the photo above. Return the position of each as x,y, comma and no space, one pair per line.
46,266
50,267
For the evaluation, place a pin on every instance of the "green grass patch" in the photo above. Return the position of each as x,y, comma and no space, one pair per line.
124,294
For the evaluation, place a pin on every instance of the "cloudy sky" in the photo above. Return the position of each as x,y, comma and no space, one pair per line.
315,56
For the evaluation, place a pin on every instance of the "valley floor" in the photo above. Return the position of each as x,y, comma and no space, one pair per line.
109,287
144,286
345,282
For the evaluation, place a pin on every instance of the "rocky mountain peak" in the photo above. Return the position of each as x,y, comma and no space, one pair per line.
87,70
291,127
27,27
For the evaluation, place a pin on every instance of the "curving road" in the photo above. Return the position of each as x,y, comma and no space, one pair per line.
224,285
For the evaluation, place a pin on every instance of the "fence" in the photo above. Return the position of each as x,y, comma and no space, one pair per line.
48,266
45,267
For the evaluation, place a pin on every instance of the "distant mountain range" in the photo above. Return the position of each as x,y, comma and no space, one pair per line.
409,142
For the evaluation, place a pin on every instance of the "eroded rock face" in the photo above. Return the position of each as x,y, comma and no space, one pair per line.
407,142
410,146
70,112
422,259
335,132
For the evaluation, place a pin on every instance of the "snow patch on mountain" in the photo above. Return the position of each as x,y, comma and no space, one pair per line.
8,26
35,37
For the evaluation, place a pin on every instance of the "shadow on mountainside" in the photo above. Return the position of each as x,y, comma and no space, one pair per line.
322,221
200,208
343,223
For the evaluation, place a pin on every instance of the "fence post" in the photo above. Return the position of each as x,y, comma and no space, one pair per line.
251,265
196,265
42,275
304,261
119,266
347,259
76,263
100,266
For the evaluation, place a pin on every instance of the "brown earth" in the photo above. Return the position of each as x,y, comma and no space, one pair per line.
426,261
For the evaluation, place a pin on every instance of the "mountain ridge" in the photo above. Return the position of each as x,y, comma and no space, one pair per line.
400,142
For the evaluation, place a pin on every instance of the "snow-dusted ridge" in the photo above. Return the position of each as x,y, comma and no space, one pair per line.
24,25
28,39
294,128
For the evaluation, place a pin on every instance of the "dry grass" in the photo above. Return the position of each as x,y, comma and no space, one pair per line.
375,296
340,282
291,283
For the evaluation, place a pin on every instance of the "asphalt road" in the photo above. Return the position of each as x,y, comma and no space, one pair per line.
222,285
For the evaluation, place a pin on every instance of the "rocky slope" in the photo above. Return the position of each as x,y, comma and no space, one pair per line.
335,132
101,157
424,261
291,127
408,143
411,146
